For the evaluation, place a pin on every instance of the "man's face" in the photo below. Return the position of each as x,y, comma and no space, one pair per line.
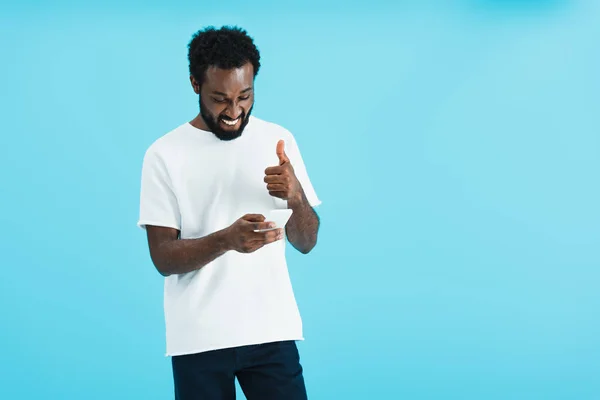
226,100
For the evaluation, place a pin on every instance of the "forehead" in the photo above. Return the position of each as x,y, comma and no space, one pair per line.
229,80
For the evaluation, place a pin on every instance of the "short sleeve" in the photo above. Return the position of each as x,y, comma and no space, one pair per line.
158,203
293,153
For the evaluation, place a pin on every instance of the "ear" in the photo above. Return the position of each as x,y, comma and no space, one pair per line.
195,85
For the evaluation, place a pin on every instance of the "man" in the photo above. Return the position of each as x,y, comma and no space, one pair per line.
206,187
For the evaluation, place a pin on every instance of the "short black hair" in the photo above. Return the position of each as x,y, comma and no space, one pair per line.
226,48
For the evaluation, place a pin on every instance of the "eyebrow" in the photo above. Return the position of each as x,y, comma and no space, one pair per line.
224,94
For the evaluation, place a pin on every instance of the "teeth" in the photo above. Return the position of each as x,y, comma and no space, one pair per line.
230,123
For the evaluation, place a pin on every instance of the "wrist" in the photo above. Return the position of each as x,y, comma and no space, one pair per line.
297,200
223,240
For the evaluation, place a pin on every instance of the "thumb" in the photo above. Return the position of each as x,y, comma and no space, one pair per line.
283,158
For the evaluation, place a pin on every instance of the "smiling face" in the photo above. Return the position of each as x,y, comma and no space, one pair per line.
226,100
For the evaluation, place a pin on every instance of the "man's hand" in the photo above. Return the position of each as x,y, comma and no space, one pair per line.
281,180
242,238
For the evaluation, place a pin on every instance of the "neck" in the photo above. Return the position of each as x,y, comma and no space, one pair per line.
199,123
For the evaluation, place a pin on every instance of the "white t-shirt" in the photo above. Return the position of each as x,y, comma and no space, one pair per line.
198,184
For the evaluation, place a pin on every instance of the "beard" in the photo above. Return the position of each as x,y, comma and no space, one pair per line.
214,123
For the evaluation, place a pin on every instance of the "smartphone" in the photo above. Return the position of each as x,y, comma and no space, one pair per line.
279,216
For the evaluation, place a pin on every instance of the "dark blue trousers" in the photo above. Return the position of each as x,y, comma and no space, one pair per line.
269,371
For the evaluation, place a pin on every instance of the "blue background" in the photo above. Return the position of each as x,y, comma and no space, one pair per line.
455,146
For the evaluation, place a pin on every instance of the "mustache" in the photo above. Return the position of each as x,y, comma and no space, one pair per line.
226,118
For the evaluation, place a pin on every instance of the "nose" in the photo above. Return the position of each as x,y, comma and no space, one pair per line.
233,110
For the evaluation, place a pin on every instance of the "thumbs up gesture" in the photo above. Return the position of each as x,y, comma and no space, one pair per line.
281,180
281,153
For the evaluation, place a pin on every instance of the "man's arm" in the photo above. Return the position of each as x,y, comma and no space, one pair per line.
303,227
172,255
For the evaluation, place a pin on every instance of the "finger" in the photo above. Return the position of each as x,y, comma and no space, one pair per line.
283,158
265,239
253,217
257,226
277,187
274,170
274,235
275,179
269,236
261,236
281,195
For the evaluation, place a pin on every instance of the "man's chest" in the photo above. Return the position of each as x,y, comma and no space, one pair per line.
219,178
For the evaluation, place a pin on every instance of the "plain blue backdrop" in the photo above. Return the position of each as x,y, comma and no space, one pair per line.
455,146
